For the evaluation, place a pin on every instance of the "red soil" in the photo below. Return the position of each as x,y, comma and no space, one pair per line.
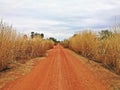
59,71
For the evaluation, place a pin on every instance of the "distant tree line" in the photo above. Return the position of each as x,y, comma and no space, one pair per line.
54,40
39,35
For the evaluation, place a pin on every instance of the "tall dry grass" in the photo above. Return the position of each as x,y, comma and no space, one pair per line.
15,46
90,45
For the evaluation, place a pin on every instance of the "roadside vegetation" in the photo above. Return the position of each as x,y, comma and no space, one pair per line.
102,47
15,46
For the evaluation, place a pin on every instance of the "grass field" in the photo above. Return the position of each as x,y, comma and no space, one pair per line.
15,46
103,47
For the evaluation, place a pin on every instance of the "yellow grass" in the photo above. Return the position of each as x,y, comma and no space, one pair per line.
91,46
14,46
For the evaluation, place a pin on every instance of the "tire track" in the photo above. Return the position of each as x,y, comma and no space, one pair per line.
59,71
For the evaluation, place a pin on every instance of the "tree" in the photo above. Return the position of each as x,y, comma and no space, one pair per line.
32,35
38,35
42,35
52,38
105,34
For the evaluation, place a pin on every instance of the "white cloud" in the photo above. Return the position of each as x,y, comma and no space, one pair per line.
59,17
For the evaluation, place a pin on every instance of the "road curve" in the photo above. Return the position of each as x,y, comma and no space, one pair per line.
59,71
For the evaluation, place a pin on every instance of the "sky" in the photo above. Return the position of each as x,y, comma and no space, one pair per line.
59,18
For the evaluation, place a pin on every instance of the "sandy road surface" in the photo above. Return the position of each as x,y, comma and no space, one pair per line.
59,71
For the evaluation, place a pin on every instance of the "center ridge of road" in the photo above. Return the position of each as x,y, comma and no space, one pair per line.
60,70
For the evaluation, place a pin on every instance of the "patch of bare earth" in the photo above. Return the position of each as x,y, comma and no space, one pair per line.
17,70
107,77
60,70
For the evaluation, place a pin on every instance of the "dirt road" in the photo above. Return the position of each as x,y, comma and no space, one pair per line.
59,71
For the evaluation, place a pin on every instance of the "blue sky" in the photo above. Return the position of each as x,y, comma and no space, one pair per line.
59,18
